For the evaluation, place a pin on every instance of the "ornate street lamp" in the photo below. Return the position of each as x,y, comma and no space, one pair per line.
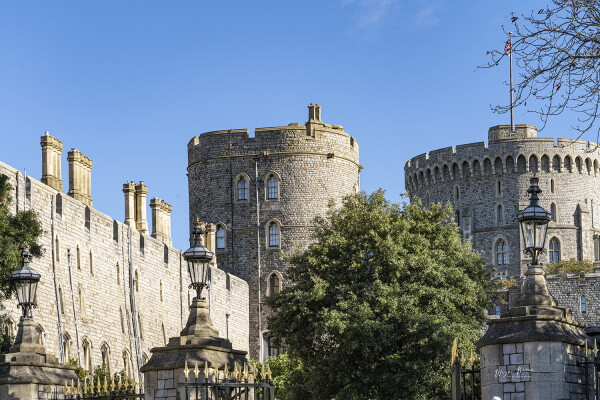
198,257
534,223
26,281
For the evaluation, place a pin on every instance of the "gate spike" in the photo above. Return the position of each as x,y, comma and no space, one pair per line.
72,387
196,371
245,371
595,347
453,356
262,372
236,372
105,387
206,370
586,349
98,388
120,382
65,388
462,357
269,374
78,386
112,384
186,371
472,359
225,372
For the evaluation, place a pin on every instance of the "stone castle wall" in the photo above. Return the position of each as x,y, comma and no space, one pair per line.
314,163
99,277
477,179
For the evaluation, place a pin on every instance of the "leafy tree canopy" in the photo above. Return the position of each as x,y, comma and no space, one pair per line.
571,266
377,300
557,52
14,230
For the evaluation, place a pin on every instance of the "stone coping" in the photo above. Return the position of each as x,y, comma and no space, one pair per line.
33,372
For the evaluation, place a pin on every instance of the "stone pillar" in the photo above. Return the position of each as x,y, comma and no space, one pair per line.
210,241
80,168
28,372
129,191
51,169
531,351
198,342
141,222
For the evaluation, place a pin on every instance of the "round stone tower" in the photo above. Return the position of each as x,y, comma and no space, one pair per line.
292,172
487,186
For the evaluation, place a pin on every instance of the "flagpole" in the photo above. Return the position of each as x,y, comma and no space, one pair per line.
512,112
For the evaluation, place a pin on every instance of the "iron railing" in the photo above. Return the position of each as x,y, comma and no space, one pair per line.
121,389
590,363
239,384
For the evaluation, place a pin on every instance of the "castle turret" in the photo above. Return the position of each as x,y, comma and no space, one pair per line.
51,153
80,177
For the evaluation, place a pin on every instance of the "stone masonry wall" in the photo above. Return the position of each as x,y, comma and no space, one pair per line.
315,165
477,178
99,278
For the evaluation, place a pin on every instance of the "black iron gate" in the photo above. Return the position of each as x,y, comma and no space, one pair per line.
215,384
465,376
591,364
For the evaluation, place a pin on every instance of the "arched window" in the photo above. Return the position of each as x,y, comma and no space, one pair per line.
273,234
500,215
126,363
9,327
88,218
67,346
220,237
105,351
456,193
272,188
78,257
554,247
568,164
41,335
59,204
499,188
242,189
582,304
551,185
457,218
274,284
553,212
501,252
497,310
115,231
87,355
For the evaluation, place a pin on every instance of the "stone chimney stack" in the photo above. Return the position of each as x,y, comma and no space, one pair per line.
141,222
80,177
129,191
161,220
210,230
314,119
51,154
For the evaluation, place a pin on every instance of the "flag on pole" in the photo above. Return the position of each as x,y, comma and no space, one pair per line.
507,48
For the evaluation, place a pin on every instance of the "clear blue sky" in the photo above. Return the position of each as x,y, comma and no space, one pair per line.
129,83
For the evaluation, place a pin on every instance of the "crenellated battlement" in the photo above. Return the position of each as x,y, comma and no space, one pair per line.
314,137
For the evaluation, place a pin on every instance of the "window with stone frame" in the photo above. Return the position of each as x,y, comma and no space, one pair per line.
220,237
554,250
457,218
582,304
242,189
87,356
274,283
596,239
499,215
553,212
272,188
105,352
501,253
273,234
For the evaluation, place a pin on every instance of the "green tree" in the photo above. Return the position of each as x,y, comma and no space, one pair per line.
15,228
571,266
377,300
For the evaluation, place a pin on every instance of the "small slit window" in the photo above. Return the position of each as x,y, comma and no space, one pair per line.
59,204
553,212
274,284
551,185
88,218
142,244
115,231
166,254
500,216
582,304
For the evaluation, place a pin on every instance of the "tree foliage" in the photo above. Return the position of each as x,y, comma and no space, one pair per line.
557,52
571,266
377,300
15,228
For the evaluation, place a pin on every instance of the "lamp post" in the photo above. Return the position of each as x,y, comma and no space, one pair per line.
26,280
534,225
197,258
